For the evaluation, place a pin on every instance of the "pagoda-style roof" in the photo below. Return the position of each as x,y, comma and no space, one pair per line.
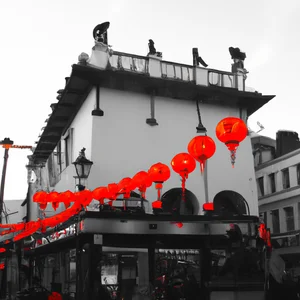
136,73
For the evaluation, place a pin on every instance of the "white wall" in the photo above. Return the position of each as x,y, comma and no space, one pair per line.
82,138
123,144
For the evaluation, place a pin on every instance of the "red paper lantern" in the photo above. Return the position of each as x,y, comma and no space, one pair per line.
125,186
66,197
202,148
86,197
159,173
39,197
100,193
142,181
55,205
231,131
43,206
183,164
2,250
53,197
112,190
2,266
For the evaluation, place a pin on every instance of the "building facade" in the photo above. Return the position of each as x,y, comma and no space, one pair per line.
277,168
131,111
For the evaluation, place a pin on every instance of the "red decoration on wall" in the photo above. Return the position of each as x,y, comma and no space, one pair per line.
231,131
201,148
2,266
183,164
159,173
2,250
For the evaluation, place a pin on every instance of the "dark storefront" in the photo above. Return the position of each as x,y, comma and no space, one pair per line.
136,257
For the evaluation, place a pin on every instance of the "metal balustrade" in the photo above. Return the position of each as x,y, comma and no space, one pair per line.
175,71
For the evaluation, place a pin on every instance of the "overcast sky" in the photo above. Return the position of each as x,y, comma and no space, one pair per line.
41,39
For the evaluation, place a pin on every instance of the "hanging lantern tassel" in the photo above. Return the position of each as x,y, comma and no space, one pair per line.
184,177
232,157
159,186
202,166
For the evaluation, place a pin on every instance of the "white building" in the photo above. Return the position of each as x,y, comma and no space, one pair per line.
132,111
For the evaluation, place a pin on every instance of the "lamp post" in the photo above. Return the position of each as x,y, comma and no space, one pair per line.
6,143
83,167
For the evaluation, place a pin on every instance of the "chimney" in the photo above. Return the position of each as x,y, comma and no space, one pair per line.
286,141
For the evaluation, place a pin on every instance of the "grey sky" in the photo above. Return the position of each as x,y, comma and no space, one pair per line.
41,39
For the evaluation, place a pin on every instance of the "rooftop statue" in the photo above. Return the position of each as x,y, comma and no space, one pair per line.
152,50
238,59
197,59
100,32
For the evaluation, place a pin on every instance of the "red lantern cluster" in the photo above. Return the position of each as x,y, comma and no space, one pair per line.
231,131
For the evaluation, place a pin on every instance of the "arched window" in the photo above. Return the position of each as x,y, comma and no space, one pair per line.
172,200
230,202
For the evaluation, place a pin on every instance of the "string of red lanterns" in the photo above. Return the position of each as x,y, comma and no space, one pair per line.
230,131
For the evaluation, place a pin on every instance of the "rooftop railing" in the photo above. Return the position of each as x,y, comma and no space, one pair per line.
154,66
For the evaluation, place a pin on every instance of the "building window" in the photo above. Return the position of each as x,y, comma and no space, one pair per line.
289,218
265,216
275,221
67,150
298,174
260,181
285,178
59,157
272,183
68,143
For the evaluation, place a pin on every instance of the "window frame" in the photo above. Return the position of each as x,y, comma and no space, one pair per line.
272,180
286,182
289,220
276,229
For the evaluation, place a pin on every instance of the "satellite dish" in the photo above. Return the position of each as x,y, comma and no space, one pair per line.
100,31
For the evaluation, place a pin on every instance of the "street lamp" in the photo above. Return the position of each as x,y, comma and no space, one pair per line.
6,144
82,166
